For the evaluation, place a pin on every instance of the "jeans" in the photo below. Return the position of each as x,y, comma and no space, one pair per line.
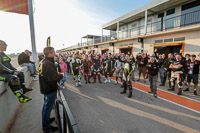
64,79
31,67
161,74
49,102
153,83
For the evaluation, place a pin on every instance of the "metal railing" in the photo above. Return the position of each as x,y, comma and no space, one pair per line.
175,22
167,24
65,120
191,18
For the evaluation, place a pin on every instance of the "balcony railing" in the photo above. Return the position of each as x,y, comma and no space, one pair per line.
159,26
167,24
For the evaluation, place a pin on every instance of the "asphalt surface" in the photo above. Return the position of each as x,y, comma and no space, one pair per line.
100,108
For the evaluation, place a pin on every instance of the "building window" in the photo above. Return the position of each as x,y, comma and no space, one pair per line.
134,25
168,40
160,22
149,21
190,13
170,19
158,41
179,39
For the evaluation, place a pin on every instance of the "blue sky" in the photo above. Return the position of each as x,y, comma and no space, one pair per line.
66,21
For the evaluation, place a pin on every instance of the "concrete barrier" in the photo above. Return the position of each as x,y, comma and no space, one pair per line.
9,102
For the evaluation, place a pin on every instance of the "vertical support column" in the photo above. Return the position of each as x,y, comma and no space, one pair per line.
93,40
117,30
32,31
87,40
101,35
145,27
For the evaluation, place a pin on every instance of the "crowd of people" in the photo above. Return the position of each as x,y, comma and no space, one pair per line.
175,68
54,68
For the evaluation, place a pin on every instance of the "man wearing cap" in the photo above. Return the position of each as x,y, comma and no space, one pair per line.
192,73
10,75
24,60
177,73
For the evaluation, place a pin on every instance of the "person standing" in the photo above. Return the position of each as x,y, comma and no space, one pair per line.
160,62
128,69
142,67
177,74
48,78
153,68
192,73
63,68
86,69
167,70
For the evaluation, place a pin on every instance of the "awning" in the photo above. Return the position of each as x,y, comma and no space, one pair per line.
168,44
125,47
104,48
16,6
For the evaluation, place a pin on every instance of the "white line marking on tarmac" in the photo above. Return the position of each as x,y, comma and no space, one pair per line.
166,99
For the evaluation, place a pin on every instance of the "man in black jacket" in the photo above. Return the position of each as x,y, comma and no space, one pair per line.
24,60
10,75
48,78
153,68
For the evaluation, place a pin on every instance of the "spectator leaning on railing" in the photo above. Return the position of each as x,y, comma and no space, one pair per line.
48,77
24,60
10,75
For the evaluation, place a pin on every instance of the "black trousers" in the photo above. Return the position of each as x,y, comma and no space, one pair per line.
8,78
166,75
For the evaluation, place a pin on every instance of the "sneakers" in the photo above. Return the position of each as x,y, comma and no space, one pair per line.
172,89
150,92
51,129
138,80
79,83
36,78
195,92
155,95
27,90
21,97
24,99
179,92
130,95
161,85
116,82
187,89
106,81
109,80
63,87
123,92
76,84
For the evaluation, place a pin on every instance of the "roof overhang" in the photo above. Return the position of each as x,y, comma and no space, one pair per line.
154,7
91,36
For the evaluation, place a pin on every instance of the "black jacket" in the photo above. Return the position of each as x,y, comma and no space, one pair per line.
5,65
48,76
153,68
23,58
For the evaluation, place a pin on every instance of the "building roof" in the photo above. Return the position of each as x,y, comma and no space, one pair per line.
91,36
